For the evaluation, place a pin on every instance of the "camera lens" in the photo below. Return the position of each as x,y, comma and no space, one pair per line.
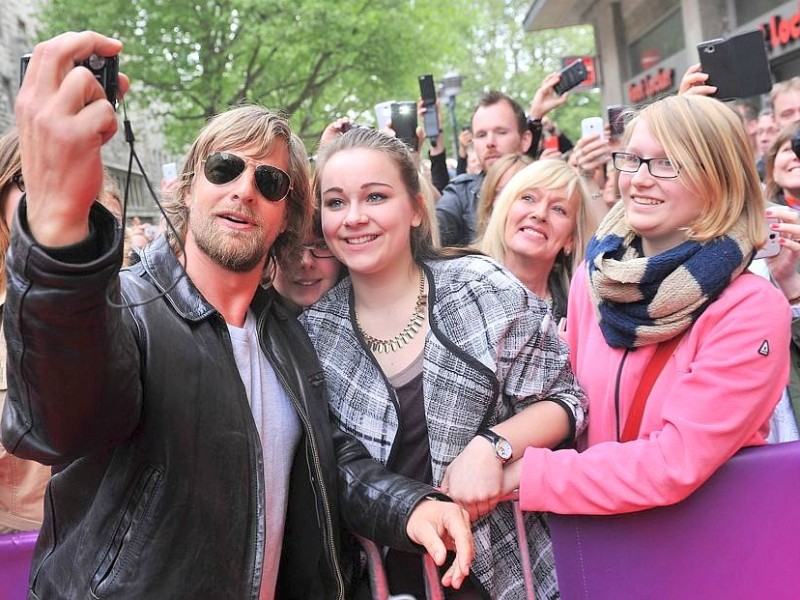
96,62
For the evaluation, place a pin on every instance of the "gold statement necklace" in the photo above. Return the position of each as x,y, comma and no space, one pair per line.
410,330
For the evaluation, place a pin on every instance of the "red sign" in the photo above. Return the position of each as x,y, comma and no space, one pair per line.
588,61
648,88
779,31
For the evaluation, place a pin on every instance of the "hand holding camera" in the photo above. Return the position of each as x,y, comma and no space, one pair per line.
64,118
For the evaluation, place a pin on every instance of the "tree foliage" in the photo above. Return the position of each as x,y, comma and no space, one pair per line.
315,60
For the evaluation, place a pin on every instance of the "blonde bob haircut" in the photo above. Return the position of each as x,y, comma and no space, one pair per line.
257,130
548,174
708,142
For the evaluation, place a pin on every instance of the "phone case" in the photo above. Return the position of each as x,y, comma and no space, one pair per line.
427,91
738,66
616,120
571,76
404,122
591,126
383,113
772,247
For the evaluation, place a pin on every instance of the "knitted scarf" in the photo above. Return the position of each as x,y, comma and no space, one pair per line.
643,300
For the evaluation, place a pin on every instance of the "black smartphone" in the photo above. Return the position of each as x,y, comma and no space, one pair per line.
571,76
737,66
616,121
430,119
404,122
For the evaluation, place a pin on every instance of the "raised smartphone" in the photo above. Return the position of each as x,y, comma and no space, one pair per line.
772,247
404,122
169,171
430,119
571,76
383,113
591,126
616,120
737,66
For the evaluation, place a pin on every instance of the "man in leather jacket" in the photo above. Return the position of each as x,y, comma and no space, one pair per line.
184,411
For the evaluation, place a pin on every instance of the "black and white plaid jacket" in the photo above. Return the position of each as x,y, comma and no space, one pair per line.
490,352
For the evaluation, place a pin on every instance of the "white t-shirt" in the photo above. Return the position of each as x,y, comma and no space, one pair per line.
279,428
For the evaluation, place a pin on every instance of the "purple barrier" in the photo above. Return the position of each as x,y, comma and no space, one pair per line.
738,536
16,552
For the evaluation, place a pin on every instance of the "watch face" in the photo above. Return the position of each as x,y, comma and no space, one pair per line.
503,449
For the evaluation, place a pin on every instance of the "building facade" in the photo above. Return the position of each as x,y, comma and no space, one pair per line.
18,26
645,46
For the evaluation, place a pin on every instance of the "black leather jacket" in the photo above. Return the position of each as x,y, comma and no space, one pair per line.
158,491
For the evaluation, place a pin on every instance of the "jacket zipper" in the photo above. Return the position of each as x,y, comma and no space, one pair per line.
337,570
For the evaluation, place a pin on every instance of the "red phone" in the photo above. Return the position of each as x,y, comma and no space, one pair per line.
551,143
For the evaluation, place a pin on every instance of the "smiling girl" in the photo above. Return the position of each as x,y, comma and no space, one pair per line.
427,356
666,273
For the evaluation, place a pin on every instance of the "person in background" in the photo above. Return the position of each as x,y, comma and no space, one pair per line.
766,132
182,403
464,144
302,276
667,272
22,482
498,175
785,101
539,229
749,115
499,126
428,353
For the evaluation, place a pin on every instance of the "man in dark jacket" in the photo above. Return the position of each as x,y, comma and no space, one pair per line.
499,127
188,427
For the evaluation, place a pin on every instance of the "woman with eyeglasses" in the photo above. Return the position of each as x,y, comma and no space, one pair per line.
22,482
303,276
665,279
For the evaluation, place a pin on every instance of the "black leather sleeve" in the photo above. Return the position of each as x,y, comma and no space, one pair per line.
376,503
73,376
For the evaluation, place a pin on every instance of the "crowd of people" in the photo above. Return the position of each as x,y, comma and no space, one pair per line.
364,346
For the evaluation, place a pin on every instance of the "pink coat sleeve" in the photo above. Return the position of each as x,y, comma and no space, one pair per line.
712,400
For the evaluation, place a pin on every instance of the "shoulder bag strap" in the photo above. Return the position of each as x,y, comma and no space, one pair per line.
646,383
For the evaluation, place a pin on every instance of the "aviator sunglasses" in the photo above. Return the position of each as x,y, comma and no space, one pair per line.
223,167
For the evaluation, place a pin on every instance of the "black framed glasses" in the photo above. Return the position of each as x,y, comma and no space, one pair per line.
662,168
319,250
18,181
221,168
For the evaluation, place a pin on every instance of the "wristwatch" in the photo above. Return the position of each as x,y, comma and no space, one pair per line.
502,447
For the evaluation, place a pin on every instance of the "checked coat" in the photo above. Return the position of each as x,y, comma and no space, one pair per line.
491,351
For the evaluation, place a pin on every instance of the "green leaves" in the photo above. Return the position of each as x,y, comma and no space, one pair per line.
316,60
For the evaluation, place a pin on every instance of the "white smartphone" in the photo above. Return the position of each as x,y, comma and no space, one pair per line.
772,246
591,126
169,171
383,113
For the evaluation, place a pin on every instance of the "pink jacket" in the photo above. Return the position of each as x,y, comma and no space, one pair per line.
714,396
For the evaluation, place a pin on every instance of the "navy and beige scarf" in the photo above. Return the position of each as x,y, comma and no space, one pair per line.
643,300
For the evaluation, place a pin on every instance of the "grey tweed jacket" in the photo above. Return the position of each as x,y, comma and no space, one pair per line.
490,352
